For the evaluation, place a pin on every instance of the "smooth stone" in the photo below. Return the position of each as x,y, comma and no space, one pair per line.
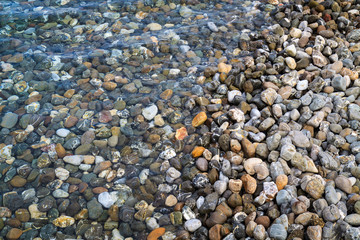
353,219
192,225
278,232
150,112
9,120
74,159
62,132
106,199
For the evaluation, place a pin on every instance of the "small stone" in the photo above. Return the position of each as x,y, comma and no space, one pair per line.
181,133
199,119
224,68
290,62
291,50
106,199
250,164
64,221
215,232
281,181
150,112
259,232
74,159
339,83
156,233
197,152
344,184
170,201
17,181
154,26
270,190
192,225
202,164
62,173
235,185
248,147
14,234
95,209
249,183
319,59
268,96
313,185
314,232
220,187
62,132
287,152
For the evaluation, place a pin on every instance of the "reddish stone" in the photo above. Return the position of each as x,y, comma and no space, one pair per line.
105,116
181,133
70,121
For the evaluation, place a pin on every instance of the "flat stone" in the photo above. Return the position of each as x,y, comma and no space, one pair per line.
9,120
74,159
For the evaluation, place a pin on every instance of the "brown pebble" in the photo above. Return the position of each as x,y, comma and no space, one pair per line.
281,181
18,181
215,232
248,147
263,220
70,121
13,222
102,166
99,190
114,213
22,214
60,150
249,183
82,187
14,234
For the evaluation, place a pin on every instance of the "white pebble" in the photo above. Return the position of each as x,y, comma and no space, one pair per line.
302,85
62,132
212,27
150,112
192,225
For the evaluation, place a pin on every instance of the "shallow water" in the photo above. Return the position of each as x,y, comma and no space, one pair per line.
56,40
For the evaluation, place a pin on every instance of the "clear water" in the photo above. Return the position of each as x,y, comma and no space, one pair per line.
128,49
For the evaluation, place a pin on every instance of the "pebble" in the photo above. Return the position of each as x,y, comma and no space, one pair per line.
249,183
74,159
150,112
106,199
353,219
192,225
269,105
9,120
278,232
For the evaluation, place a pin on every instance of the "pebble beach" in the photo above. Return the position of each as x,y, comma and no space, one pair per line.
180,120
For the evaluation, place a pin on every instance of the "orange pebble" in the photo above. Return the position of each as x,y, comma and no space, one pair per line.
281,181
197,152
156,233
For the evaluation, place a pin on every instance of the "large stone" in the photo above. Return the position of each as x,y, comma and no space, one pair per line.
278,232
9,120
95,209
